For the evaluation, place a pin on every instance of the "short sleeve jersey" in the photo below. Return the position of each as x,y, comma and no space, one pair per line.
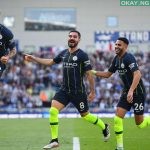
6,42
74,67
125,67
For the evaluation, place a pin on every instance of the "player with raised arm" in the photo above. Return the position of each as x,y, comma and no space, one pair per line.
76,64
7,47
133,94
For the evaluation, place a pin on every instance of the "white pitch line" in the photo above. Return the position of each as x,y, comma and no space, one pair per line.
76,143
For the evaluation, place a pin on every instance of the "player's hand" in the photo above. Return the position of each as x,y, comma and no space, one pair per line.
130,96
29,58
91,96
4,59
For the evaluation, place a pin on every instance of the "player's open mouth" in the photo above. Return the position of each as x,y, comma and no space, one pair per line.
117,50
71,41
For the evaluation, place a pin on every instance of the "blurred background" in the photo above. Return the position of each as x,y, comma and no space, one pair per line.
41,28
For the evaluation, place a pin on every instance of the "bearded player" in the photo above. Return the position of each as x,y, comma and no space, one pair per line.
76,65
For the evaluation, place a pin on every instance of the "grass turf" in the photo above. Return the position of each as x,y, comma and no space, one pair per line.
33,134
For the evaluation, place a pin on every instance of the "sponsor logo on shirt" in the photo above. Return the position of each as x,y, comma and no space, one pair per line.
69,65
122,71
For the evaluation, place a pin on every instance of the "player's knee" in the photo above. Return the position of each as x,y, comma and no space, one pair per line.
117,120
53,111
84,114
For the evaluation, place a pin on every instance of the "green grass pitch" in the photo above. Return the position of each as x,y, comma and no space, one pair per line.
33,134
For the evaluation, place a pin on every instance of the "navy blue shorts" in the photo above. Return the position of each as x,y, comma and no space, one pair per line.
79,100
137,105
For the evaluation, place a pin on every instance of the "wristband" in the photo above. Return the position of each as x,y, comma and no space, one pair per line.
93,72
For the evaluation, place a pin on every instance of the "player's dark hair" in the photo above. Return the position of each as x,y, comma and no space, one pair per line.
125,40
79,34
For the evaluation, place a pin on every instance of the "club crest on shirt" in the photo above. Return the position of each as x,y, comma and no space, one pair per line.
1,36
1,43
122,65
75,58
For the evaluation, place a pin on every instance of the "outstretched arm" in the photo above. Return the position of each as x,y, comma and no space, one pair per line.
103,74
39,60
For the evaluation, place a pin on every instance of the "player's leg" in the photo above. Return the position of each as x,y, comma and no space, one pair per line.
58,103
97,121
138,107
142,121
53,120
118,127
93,119
122,107
80,102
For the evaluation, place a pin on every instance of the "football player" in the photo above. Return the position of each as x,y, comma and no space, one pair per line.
7,47
76,65
133,93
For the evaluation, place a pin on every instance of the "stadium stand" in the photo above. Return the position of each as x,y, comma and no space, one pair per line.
30,87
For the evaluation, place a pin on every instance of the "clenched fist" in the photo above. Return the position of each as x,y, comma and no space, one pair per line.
4,59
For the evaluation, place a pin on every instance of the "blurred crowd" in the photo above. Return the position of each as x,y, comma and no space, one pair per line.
26,85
